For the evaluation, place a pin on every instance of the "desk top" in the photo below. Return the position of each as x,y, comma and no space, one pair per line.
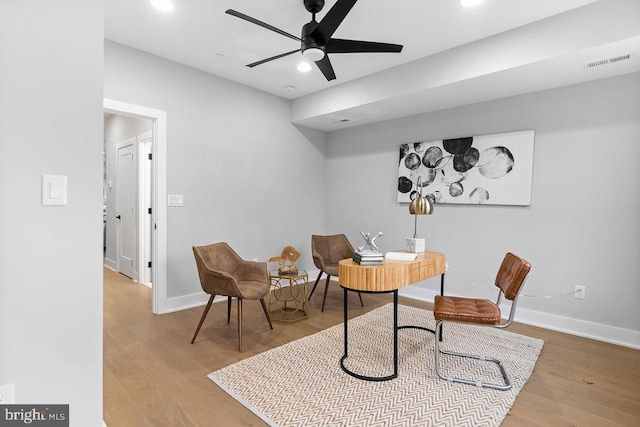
392,274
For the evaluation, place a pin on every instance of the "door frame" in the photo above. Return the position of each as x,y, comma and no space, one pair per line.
159,302
145,153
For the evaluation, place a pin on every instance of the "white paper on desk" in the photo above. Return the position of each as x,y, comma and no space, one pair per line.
402,256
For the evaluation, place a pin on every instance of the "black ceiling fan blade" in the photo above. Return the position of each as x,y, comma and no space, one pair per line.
332,20
360,46
327,69
260,23
253,64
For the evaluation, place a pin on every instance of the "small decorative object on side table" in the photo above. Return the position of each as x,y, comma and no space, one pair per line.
289,253
288,299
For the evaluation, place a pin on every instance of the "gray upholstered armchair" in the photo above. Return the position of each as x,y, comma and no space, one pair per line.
327,251
223,272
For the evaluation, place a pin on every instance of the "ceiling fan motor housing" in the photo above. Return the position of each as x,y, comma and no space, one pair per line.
311,49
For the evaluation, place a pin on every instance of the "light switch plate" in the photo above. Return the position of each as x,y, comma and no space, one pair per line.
54,190
175,200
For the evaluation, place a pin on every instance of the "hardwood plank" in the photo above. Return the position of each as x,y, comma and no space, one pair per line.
119,408
154,376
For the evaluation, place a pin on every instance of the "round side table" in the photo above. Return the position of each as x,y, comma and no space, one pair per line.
288,296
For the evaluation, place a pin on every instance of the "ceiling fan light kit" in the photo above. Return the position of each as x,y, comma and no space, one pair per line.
316,40
313,53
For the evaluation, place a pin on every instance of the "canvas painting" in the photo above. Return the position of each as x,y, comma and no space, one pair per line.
487,169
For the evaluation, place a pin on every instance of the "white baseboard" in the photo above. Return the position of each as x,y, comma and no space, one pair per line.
110,264
199,299
184,302
567,325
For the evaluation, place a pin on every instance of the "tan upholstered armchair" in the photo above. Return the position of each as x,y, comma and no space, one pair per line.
223,272
511,276
327,251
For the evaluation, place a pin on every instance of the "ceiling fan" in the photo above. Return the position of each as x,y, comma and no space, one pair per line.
316,41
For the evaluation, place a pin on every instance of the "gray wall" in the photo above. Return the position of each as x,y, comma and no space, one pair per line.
248,176
581,228
251,178
51,257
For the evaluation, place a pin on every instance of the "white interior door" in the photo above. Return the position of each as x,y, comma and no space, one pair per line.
126,197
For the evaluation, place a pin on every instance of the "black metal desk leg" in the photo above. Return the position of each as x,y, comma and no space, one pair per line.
441,293
395,340
395,333
346,346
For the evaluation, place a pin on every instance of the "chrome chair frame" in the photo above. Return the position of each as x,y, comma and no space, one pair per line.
507,385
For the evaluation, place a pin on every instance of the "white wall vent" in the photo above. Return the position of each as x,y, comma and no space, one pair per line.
606,61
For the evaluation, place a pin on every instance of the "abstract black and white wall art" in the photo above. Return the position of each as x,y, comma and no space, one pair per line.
487,169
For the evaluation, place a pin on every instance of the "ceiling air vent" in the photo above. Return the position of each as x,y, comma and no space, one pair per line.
606,61
619,58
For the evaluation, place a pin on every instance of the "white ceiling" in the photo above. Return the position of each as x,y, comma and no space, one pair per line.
452,55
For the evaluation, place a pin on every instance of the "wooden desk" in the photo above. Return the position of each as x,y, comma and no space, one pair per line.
387,278
392,274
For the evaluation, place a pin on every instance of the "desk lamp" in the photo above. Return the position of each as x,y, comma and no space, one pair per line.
419,206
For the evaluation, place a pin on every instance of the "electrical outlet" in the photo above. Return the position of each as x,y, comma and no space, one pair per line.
7,394
580,292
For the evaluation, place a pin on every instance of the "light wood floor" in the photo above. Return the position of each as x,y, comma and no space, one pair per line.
153,376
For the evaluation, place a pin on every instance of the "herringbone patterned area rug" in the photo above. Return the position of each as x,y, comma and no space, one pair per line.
301,383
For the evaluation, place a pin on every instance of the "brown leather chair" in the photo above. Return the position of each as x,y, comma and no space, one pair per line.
223,272
509,280
327,251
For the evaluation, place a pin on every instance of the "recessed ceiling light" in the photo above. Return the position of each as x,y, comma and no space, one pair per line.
290,88
219,56
304,66
470,3
162,5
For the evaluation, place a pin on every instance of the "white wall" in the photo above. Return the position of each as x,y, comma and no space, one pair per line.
581,228
248,176
51,257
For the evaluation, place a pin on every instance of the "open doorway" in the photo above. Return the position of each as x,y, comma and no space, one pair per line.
128,148
135,147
